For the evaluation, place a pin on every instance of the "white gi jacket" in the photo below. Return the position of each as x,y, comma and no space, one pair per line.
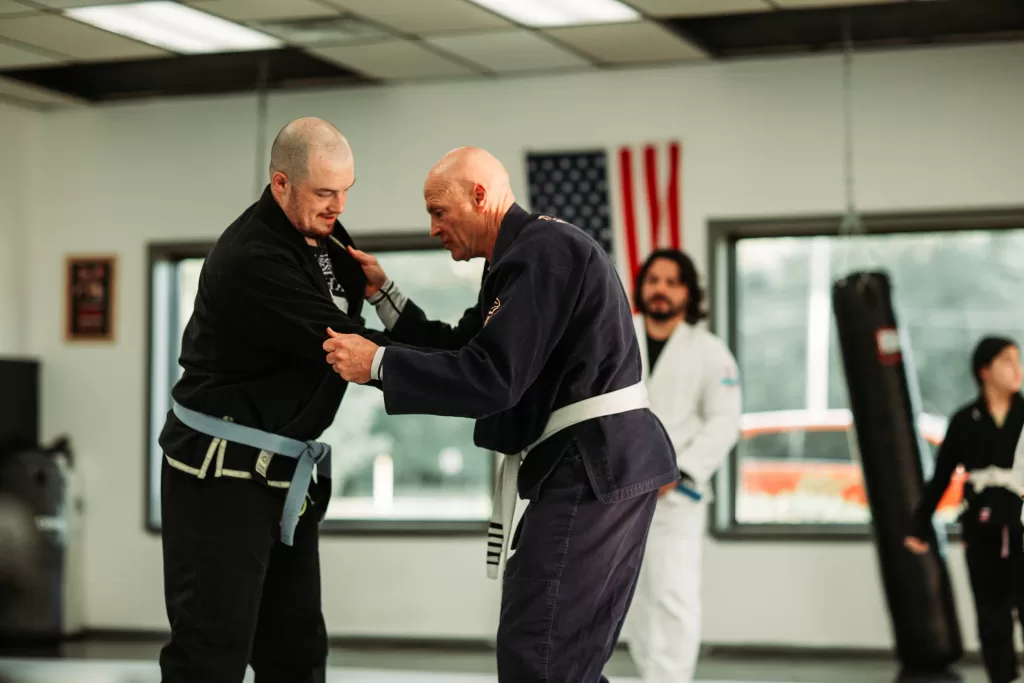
695,392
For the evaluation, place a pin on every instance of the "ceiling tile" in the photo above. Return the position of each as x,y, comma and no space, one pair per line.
12,57
33,95
244,10
693,8
68,4
509,51
425,16
393,59
73,38
639,41
796,4
14,7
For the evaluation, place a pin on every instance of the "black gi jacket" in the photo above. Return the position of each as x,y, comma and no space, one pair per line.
552,326
974,441
253,348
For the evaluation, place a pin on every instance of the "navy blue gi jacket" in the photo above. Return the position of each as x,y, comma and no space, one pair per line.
552,327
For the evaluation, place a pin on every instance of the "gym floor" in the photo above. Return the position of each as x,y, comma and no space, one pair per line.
124,662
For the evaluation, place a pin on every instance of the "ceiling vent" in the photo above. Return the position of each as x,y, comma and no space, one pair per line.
321,31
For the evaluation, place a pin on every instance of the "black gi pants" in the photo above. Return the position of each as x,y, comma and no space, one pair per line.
569,583
235,594
998,586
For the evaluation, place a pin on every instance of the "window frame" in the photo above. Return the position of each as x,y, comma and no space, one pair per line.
722,237
172,252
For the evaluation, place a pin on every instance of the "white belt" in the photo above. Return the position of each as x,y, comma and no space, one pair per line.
996,477
506,492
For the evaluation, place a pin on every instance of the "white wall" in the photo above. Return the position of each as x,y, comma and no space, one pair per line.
935,129
18,129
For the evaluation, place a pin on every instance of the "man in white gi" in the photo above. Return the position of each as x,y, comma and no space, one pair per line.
693,384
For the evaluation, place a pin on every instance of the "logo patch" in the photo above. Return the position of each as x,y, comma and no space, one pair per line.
494,309
550,218
263,462
888,341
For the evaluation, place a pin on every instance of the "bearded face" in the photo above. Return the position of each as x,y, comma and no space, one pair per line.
662,292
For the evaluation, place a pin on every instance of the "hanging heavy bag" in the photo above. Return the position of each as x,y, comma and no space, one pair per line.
884,400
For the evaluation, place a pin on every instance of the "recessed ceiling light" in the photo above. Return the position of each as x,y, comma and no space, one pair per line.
547,13
174,27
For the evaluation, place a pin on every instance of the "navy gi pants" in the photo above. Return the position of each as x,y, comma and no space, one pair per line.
569,583
235,594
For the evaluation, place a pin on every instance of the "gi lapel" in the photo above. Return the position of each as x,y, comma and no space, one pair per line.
640,328
347,270
676,374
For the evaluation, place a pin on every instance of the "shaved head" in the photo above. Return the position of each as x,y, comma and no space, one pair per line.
467,166
467,194
302,139
311,171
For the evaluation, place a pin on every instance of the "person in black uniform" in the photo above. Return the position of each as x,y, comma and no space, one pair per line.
241,587
548,364
982,437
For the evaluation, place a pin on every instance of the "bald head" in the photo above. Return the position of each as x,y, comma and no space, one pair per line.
311,172
464,167
303,139
468,194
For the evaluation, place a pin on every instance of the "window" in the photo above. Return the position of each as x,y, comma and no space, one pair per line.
955,279
397,473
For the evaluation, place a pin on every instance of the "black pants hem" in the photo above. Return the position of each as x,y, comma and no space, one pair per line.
235,595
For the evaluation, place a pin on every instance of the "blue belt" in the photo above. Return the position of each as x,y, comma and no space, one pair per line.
690,492
308,454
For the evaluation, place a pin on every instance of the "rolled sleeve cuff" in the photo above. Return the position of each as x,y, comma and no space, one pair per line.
389,303
376,371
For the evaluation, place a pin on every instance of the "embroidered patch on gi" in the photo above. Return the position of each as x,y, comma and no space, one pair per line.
730,381
263,462
550,218
494,309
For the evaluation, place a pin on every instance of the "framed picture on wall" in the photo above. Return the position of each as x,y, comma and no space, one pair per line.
91,283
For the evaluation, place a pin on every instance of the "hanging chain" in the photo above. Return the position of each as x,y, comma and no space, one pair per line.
262,88
851,223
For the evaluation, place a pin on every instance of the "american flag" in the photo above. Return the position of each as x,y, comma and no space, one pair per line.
602,192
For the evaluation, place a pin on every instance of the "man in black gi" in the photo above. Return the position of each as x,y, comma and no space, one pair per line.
242,579
983,437
547,362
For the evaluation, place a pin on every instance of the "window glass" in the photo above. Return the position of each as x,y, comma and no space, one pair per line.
794,457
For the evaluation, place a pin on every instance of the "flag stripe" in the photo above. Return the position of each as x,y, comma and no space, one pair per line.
653,203
628,215
675,230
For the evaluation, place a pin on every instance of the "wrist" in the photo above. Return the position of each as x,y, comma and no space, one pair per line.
375,365
377,290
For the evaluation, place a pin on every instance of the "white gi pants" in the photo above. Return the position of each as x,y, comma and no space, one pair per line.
665,618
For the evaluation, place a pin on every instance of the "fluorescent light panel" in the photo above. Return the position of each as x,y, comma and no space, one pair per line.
547,13
174,27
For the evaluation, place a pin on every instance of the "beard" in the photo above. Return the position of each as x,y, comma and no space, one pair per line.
315,231
663,314
304,218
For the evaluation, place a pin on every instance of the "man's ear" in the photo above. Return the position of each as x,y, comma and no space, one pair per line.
279,180
479,196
